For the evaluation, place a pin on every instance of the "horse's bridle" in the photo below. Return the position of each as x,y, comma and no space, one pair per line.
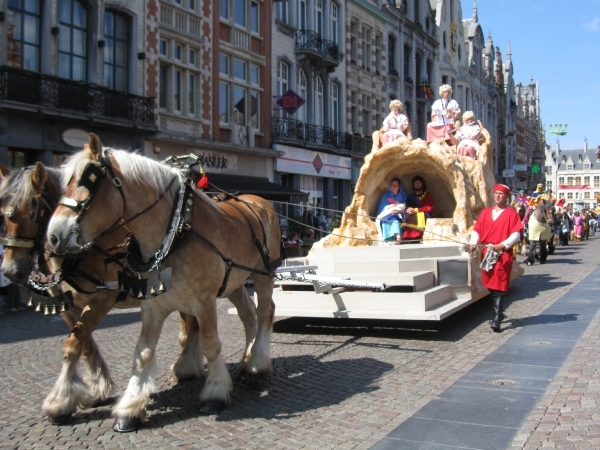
91,178
39,215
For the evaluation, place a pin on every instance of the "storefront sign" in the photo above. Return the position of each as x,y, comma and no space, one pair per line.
306,162
75,137
217,162
290,102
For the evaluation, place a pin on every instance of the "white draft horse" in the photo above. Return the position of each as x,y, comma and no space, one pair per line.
206,258
27,199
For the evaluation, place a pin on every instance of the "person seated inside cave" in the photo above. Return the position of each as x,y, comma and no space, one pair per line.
390,211
395,124
419,207
467,137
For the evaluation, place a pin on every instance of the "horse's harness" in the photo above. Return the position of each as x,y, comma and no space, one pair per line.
42,207
141,279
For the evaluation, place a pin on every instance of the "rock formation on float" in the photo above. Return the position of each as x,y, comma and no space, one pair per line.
461,187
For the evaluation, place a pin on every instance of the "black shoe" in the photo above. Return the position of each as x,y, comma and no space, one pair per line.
542,262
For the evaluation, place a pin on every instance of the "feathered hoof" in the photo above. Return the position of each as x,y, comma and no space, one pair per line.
60,420
126,424
253,378
212,407
103,402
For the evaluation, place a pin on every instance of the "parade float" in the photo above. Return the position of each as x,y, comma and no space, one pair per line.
351,273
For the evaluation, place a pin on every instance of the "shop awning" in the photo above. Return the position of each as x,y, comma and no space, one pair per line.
254,185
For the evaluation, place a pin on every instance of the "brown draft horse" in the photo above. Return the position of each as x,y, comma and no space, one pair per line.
27,199
218,238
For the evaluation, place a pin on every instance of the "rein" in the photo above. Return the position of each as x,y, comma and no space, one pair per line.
94,174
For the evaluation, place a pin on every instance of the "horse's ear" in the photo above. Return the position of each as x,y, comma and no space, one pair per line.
40,176
95,145
4,170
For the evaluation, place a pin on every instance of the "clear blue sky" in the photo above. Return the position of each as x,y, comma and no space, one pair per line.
556,42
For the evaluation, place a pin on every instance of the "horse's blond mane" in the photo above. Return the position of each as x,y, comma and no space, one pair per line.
133,166
17,188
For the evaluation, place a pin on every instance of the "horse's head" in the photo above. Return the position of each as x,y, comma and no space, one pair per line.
91,203
27,199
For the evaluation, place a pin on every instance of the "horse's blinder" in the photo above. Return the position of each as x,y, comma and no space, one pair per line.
37,215
91,177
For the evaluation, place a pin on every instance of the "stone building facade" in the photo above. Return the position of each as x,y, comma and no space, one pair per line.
574,175
69,68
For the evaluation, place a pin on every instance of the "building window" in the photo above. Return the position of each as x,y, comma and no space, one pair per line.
319,103
192,57
596,181
162,48
354,42
192,94
283,81
177,52
282,12
417,17
254,16
334,12
302,113
224,9
378,53
586,166
163,86
238,103
366,49
335,106
72,40
548,185
569,181
366,116
239,13
407,58
302,15
569,166
177,90
223,102
392,55
586,195
116,54
569,196
24,35
354,111
586,180
319,17
254,113
561,181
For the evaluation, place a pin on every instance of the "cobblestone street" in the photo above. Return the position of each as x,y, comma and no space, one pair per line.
335,384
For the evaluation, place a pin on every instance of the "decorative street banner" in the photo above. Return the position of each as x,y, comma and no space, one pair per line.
307,162
290,102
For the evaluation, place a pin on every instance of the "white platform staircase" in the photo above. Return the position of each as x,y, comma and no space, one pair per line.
397,282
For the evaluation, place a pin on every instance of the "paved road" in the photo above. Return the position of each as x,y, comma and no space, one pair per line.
334,385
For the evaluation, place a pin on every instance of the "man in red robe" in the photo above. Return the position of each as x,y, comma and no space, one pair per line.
420,201
500,226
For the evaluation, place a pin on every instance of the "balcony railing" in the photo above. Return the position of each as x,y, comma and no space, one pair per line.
44,90
295,131
314,46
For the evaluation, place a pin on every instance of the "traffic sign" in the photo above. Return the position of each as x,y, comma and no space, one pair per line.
508,173
520,167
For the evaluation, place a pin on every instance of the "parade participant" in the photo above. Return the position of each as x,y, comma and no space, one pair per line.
539,192
467,137
500,227
389,212
538,233
419,206
395,124
577,226
443,114
521,198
